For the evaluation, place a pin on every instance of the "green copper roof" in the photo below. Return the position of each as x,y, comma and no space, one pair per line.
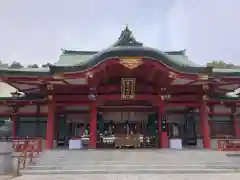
72,58
226,72
126,45
225,97
132,51
126,39
181,58
25,71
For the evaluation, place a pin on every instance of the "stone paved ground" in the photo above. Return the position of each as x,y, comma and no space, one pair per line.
5,177
234,176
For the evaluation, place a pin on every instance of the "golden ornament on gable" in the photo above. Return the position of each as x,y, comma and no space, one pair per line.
205,97
89,75
41,81
165,97
203,77
58,76
49,86
205,87
172,75
130,62
50,97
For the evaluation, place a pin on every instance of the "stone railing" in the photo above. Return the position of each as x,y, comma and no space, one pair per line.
6,159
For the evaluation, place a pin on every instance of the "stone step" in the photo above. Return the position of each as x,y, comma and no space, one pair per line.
52,160
132,167
119,162
130,171
133,162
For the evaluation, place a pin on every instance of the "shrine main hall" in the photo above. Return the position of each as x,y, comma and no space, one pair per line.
127,95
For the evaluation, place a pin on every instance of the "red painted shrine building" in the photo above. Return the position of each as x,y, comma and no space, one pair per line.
126,90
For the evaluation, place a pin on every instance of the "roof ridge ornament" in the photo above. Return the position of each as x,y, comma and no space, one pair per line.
127,39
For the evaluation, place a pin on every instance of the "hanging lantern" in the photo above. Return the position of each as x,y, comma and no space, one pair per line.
128,88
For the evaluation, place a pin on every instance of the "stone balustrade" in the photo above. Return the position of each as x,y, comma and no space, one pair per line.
6,159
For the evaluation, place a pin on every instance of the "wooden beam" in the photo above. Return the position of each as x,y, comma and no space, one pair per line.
22,102
223,102
72,103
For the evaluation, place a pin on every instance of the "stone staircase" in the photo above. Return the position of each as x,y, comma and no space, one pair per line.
133,161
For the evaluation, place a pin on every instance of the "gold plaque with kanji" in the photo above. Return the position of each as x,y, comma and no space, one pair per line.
131,62
128,88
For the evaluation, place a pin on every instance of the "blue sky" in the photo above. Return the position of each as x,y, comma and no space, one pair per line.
35,31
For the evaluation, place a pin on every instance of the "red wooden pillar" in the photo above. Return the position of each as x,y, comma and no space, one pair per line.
236,126
93,126
162,119
235,121
50,123
13,120
204,125
14,126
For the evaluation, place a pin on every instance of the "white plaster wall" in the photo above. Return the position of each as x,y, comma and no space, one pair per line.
222,109
24,86
123,116
6,90
138,116
44,108
176,118
218,108
5,109
197,109
238,109
28,109
81,118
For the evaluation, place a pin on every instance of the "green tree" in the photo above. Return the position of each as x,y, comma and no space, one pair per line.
221,65
16,65
32,66
3,65
46,65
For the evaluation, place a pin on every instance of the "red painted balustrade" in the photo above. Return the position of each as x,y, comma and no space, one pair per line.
29,149
22,143
229,144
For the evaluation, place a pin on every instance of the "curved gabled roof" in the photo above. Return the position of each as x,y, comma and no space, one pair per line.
130,51
126,45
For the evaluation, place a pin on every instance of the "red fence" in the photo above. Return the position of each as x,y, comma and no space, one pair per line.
32,148
20,144
229,145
